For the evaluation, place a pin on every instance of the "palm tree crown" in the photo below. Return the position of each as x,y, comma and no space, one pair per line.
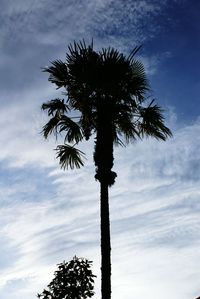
108,92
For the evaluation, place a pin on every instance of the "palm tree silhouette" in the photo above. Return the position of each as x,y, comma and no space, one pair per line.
107,91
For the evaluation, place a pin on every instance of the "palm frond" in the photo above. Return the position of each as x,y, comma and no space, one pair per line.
78,51
71,128
58,73
111,54
140,84
152,123
51,127
133,52
126,128
115,73
56,106
79,46
69,156
83,66
117,141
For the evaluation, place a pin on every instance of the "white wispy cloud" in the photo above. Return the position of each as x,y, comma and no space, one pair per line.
154,214
49,22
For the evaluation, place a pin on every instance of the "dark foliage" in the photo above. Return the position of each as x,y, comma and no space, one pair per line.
108,93
73,280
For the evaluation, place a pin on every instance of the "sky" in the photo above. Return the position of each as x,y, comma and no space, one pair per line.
48,215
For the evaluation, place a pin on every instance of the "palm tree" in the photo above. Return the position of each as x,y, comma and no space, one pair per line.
106,95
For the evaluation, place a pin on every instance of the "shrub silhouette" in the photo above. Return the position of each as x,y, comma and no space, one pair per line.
73,280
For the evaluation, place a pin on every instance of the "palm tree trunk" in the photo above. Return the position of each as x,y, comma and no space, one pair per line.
105,243
103,157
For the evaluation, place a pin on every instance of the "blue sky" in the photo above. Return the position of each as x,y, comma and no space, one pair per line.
47,215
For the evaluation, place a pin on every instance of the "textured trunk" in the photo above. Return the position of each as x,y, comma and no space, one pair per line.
105,243
103,157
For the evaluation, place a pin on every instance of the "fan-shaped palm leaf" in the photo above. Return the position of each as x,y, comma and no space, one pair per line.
126,128
69,156
51,127
152,123
139,83
56,106
58,73
71,128
82,65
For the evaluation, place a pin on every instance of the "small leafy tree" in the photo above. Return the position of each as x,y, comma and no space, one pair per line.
73,280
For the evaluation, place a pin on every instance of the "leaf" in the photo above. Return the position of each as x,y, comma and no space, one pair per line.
133,52
58,73
152,123
71,280
69,156
56,106
51,126
72,129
